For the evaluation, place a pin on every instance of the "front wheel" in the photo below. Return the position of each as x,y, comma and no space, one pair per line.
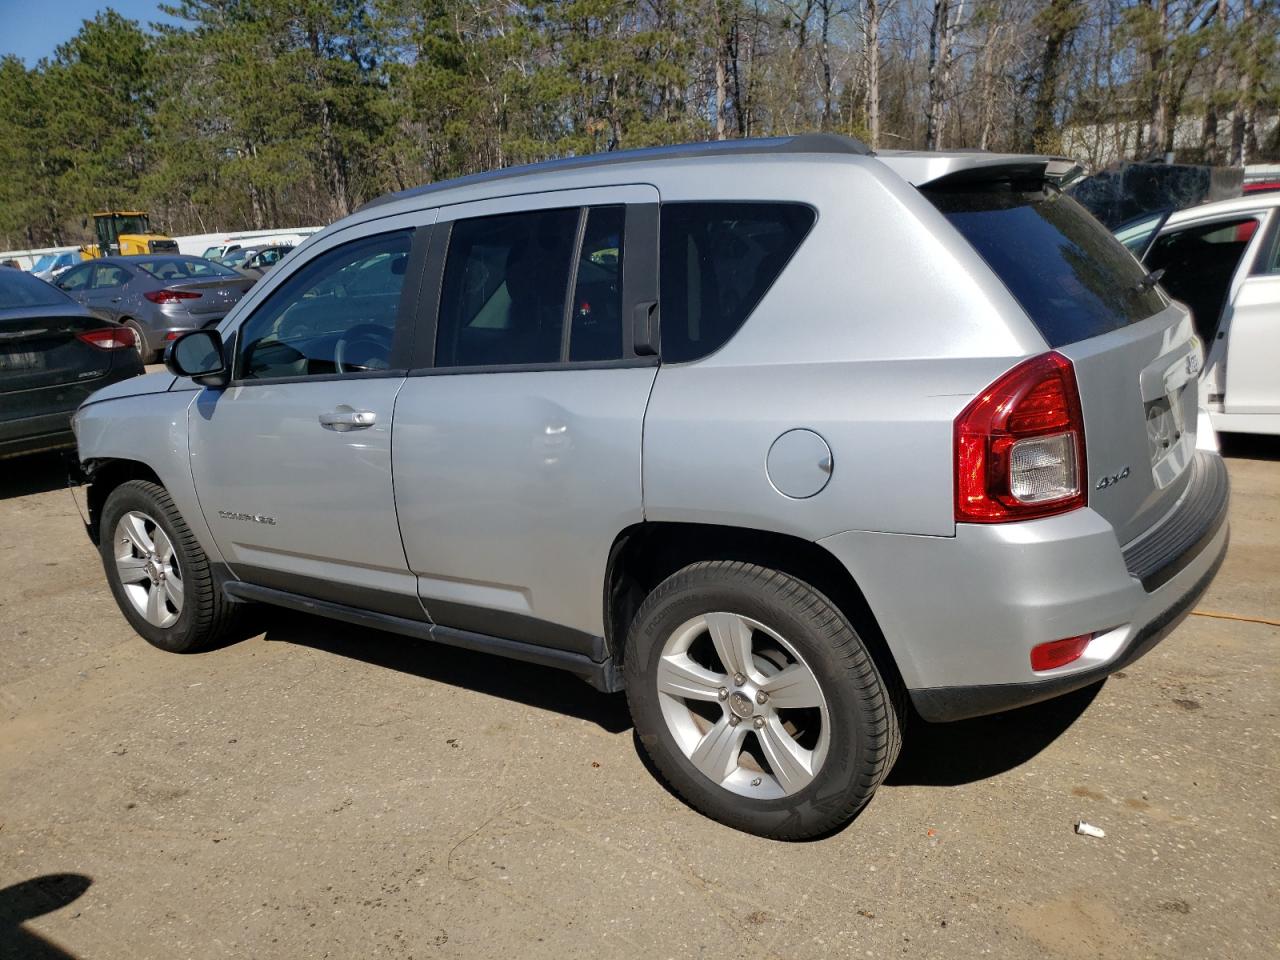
158,573
757,701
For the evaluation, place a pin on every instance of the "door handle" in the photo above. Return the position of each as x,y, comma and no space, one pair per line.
116,299
344,418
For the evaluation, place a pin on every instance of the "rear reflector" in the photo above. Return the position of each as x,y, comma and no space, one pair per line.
1058,653
1019,446
109,338
170,296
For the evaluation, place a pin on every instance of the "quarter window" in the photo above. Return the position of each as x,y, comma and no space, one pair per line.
718,262
337,314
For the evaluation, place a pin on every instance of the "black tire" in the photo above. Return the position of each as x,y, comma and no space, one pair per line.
207,616
864,713
147,356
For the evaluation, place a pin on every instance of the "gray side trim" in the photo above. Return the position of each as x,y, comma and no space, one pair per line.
604,676
820,143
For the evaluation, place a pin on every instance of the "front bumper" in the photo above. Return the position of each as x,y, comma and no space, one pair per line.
961,614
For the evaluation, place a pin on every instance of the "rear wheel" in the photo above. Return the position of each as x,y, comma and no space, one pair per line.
140,342
757,700
158,573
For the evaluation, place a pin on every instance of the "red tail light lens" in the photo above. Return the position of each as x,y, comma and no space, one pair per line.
109,338
1058,653
170,296
1019,446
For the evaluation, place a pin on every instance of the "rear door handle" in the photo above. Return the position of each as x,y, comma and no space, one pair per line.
345,418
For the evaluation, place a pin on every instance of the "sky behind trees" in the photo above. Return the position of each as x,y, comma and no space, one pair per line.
246,113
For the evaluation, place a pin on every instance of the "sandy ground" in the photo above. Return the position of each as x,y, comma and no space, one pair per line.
321,791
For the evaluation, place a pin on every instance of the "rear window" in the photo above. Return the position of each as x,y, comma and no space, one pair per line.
1073,278
18,289
174,269
718,262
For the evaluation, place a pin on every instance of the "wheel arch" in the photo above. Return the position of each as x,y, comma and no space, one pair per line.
645,554
105,475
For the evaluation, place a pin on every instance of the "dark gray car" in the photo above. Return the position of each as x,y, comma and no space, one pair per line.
159,297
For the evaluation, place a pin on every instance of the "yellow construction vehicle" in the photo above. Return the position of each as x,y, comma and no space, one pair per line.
125,233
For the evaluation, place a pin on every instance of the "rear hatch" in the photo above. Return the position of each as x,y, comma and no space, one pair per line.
1135,354
44,365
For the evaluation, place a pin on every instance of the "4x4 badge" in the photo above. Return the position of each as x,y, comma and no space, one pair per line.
1112,479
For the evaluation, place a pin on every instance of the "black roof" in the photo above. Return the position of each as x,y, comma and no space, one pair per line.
801,143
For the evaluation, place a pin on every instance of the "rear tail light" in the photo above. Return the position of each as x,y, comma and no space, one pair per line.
1058,653
1019,446
109,338
170,296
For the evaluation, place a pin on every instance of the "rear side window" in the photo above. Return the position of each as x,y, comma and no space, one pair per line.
1071,276
718,261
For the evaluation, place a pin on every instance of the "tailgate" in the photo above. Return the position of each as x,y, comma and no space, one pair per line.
1139,394
1135,354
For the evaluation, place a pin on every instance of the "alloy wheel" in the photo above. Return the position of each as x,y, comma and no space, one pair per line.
148,568
743,705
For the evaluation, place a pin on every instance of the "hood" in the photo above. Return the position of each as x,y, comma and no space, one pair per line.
159,382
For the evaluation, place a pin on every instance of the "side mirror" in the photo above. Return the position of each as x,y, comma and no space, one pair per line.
199,355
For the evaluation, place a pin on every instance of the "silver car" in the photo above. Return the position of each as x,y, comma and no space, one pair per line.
784,438
158,296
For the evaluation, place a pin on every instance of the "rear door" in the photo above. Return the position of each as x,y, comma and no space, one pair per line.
1203,265
106,290
517,441
1136,354
1252,327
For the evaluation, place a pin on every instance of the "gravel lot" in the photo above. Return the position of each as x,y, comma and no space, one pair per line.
323,791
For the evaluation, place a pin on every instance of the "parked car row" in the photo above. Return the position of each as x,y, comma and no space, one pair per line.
157,297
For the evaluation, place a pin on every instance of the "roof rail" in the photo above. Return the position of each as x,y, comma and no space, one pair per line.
829,143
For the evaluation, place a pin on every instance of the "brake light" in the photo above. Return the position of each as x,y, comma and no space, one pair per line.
1019,446
170,296
1058,653
109,338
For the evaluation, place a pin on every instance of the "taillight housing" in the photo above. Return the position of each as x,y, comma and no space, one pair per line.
170,296
110,338
1019,446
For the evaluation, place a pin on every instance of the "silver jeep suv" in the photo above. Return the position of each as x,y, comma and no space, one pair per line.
784,438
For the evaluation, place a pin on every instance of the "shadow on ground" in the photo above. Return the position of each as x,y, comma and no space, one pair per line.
1249,446
28,900
949,754
494,676
34,473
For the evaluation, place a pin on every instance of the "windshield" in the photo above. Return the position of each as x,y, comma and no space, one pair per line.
1136,234
237,258
132,225
1071,276
174,268
45,262
18,289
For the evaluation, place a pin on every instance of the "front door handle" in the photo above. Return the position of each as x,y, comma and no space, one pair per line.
345,418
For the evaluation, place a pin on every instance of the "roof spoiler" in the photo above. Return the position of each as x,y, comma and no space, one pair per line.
959,169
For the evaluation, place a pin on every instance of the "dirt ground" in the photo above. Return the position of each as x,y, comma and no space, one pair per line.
324,791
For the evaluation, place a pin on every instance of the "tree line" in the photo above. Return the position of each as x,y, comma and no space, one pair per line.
259,113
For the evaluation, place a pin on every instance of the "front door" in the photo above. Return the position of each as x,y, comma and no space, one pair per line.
517,445
292,461
1253,332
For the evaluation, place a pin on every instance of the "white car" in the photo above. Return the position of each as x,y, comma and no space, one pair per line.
1222,260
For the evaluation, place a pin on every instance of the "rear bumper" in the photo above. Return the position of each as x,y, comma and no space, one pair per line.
961,614
47,425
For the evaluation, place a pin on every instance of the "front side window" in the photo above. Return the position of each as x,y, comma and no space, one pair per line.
336,314
76,278
718,262
505,282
